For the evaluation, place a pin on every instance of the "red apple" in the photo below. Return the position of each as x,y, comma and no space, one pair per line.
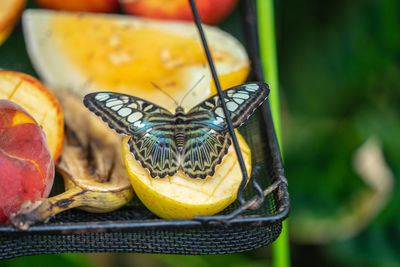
210,11
27,168
106,6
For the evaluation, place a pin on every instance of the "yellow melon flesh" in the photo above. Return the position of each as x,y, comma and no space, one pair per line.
92,52
180,196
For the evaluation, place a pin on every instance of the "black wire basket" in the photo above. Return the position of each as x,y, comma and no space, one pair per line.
244,225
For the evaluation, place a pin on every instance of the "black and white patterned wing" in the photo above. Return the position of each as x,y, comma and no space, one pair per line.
126,114
241,101
207,137
156,151
150,126
204,150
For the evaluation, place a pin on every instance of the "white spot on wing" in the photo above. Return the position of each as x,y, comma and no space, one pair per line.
102,96
238,100
230,93
125,98
218,121
241,95
133,105
220,112
148,107
231,106
116,107
123,112
134,117
138,124
113,102
251,87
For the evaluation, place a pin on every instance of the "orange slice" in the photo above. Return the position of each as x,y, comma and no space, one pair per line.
30,94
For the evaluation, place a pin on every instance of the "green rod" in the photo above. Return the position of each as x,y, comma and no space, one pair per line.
266,26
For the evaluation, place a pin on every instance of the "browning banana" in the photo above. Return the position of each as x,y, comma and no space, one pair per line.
91,165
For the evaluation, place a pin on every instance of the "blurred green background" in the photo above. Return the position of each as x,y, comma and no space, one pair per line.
338,70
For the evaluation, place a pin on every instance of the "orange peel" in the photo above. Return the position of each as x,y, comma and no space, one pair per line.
30,94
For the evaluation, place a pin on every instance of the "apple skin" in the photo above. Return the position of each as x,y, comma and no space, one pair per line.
211,11
27,168
102,6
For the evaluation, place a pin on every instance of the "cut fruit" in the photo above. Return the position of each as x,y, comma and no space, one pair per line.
30,94
91,165
10,11
210,11
27,168
107,6
180,196
127,54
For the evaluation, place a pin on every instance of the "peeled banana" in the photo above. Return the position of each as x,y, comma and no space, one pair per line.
91,165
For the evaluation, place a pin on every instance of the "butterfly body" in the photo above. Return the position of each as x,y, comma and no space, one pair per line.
180,128
164,142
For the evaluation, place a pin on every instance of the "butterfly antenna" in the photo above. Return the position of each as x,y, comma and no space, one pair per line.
191,89
156,86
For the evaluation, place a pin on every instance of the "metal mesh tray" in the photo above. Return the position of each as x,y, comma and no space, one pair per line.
135,229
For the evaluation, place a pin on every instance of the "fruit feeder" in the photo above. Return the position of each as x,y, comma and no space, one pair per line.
252,221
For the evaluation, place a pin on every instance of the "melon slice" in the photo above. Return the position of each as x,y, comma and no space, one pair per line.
180,196
97,52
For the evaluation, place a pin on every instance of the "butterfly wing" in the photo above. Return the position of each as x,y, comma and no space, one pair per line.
207,137
150,126
241,101
204,150
156,151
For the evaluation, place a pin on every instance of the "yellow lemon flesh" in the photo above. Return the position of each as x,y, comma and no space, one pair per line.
92,52
180,196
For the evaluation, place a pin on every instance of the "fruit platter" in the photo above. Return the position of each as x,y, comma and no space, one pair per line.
113,137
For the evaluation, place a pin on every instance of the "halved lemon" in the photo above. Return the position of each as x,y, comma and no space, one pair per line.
180,196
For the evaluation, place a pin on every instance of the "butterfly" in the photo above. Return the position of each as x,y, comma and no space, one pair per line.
164,142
